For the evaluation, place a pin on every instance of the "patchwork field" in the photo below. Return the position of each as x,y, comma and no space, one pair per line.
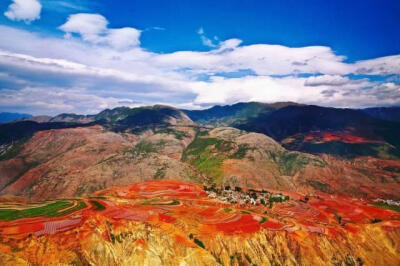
169,222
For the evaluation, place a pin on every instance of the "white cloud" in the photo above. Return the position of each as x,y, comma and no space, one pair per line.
89,26
329,80
379,66
263,59
269,89
57,100
108,67
26,10
123,38
93,28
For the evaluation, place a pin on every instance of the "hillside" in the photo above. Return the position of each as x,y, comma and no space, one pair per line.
78,161
304,151
231,114
297,127
118,119
385,113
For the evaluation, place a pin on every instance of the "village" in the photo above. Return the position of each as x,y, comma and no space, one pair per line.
250,197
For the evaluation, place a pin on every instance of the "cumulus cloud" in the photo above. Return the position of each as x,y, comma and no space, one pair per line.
93,28
263,59
274,89
25,10
328,80
105,67
57,100
379,66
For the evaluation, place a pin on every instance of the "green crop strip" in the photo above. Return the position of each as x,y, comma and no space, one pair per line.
199,243
263,220
174,202
55,209
98,206
387,206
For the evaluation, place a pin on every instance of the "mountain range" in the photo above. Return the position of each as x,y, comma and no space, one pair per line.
282,146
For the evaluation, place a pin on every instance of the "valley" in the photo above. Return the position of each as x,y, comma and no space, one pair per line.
150,186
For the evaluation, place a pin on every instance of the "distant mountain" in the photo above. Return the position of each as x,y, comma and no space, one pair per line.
9,117
292,126
39,118
290,120
11,132
142,118
72,118
232,114
119,115
122,119
308,128
385,113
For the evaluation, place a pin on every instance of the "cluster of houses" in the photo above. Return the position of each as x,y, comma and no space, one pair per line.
388,201
249,197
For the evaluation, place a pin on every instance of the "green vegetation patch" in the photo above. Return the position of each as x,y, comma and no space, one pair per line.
319,186
160,173
263,220
144,147
205,155
199,145
98,206
174,202
55,209
14,149
289,162
387,206
227,210
170,131
202,132
199,243
241,151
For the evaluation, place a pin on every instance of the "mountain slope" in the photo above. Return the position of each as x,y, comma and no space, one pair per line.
79,161
142,118
158,142
294,125
238,158
119,119
230,114
385,113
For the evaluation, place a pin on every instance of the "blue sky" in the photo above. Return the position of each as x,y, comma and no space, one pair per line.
194,54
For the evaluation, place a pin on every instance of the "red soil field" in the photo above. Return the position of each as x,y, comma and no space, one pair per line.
328,136
170,202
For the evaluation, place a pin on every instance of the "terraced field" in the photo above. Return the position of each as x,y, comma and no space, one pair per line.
129,221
